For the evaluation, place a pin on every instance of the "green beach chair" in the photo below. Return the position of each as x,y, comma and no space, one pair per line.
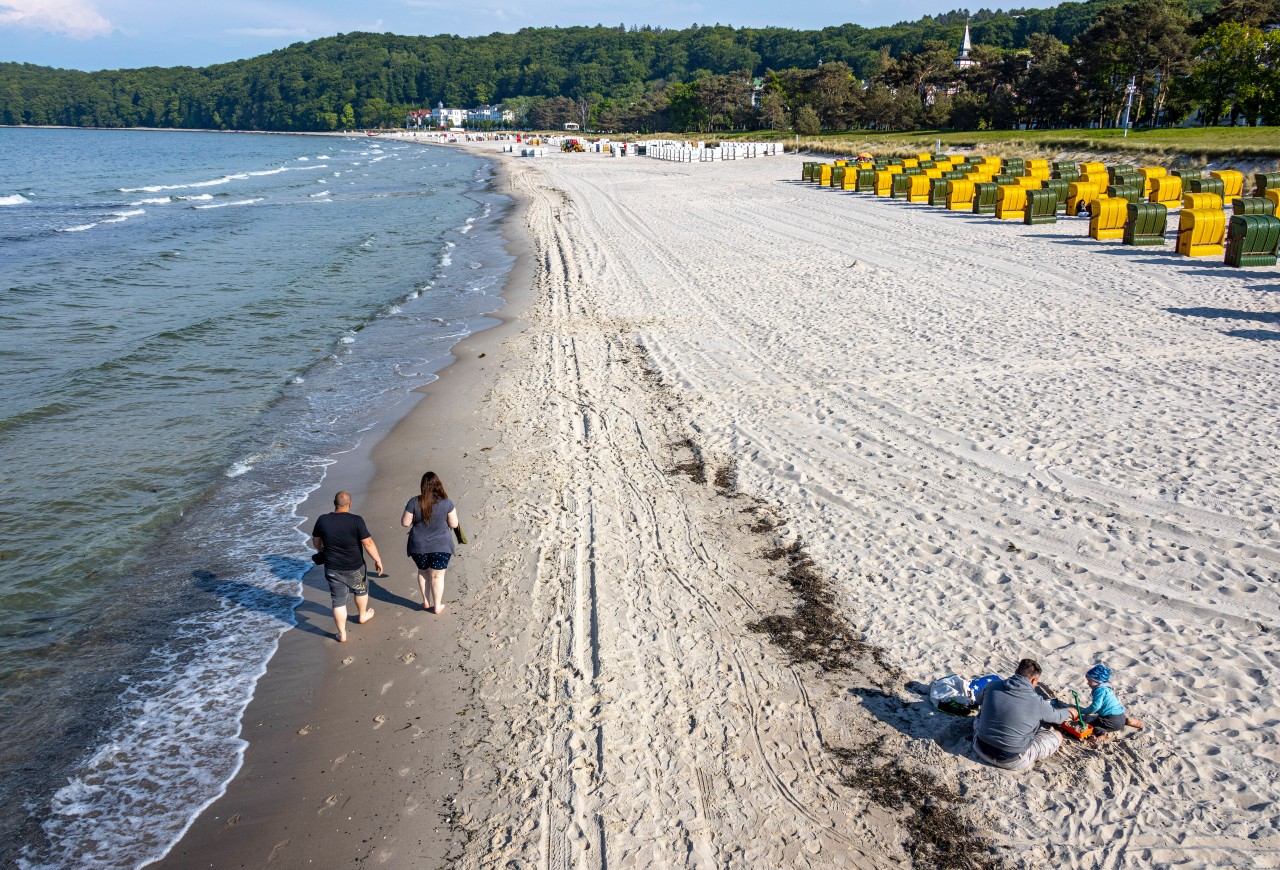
1145,224
1252,240
1042,206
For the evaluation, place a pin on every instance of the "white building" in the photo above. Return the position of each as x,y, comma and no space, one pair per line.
487,114
446,118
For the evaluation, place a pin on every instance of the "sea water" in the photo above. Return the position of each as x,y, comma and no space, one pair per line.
193,327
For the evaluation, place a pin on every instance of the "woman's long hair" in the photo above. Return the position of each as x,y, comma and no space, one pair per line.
432,492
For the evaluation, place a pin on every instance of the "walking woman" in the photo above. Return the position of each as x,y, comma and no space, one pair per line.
431,518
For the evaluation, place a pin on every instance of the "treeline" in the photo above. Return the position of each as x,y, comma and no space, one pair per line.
1066,65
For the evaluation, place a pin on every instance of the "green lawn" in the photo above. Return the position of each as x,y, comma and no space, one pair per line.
1204,143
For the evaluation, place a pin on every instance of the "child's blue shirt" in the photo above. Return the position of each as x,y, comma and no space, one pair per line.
1104,703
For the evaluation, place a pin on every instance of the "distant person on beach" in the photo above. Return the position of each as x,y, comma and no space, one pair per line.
1105,712
430,518
1014,726
343,539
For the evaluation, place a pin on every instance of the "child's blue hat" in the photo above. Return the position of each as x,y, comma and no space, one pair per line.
1099,673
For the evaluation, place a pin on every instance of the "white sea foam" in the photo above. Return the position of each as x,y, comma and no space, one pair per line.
134,212
229,204
195,197
15,199
214,182
304,158
238,468
297,379
153,200
270,171
348,339
321,193
183,730
78,229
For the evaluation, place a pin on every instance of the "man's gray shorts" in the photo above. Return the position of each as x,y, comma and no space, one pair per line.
344,584
1046,742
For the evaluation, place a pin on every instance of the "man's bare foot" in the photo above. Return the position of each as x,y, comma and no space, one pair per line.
342,638
1135,724
368,615
427,607
439,610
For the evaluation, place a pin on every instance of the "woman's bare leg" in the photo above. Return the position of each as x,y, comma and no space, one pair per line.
427,603
437,590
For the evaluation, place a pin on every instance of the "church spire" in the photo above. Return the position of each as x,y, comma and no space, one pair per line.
964,61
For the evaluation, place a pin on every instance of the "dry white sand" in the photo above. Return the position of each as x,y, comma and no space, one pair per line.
994,440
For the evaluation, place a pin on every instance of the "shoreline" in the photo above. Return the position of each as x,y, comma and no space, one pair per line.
264,804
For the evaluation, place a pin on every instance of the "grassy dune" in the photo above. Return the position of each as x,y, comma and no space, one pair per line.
1192,144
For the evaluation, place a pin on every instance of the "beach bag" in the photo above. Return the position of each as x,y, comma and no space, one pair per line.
957,695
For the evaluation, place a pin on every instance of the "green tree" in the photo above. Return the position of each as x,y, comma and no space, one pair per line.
1237,72
806,121
1145,41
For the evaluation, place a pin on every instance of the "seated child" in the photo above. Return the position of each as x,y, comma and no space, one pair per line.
1105,712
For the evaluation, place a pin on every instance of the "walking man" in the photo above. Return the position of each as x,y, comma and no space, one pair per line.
343,539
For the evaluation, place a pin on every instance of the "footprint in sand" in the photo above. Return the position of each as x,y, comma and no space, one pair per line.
327,805
305,730
231,822
387,685
348,660
380,720
341,758
275,853
409,658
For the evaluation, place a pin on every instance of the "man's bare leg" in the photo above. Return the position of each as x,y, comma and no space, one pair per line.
364,612
340,617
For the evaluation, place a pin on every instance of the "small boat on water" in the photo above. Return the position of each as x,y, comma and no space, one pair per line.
372,133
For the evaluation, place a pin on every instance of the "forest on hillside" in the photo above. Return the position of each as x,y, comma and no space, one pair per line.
1064,66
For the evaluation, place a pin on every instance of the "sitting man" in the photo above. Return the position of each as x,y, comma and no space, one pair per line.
1013,729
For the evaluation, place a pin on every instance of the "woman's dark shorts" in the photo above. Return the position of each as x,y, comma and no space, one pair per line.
343,584
430,561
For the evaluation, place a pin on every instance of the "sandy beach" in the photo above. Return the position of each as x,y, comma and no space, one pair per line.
747,462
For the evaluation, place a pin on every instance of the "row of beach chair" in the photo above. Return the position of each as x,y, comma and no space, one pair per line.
1123,202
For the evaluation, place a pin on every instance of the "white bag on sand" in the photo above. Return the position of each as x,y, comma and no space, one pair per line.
950,688
958,695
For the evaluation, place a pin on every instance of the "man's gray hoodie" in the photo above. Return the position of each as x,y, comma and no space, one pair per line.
1011,713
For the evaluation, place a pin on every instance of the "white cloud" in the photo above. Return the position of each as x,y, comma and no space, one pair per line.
75,18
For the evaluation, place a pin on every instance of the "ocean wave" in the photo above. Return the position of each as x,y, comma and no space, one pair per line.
195,197
183,730
321,193
78,229
155,200
229,204
243,466
276,171
16,199
156,188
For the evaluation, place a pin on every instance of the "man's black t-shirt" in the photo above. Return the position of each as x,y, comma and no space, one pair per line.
341,534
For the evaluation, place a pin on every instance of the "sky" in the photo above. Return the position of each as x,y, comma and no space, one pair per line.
122,34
